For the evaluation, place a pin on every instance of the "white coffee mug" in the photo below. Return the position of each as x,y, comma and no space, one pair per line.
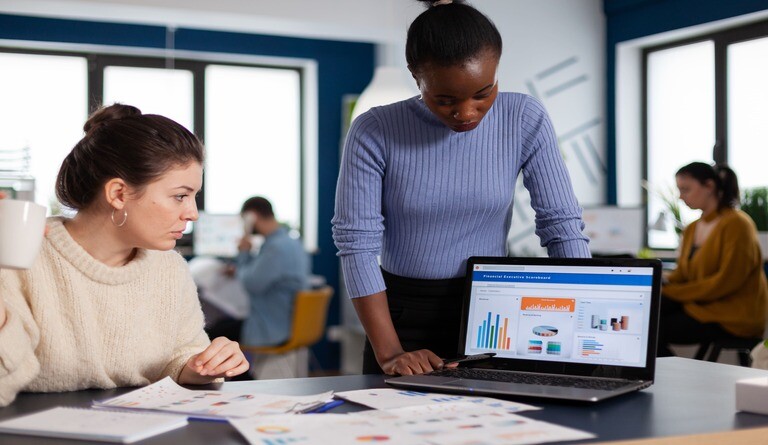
22,225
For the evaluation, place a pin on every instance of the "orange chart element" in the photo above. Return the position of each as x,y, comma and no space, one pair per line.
544,304
272,429
372,439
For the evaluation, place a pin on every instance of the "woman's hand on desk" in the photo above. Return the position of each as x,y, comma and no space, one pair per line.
413,362
222,358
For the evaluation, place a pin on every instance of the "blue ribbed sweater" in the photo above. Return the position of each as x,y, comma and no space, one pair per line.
426,198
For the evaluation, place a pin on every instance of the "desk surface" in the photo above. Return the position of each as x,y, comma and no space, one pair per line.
688,397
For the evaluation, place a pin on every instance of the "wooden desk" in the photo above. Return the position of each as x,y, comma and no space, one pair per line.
689,397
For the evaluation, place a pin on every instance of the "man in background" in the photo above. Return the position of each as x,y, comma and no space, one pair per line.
271,278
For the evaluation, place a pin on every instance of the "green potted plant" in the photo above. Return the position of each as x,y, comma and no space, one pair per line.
671,201
754,202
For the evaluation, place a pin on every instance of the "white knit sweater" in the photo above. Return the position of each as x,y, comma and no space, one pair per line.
75,323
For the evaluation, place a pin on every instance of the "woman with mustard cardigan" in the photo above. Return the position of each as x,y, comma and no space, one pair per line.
719,287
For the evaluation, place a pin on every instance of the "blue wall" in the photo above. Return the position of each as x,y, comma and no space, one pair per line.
631,19
343,68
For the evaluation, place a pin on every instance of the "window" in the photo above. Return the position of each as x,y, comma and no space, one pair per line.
748,111
153,90
681,125
42,110
704,101
249,116
251,121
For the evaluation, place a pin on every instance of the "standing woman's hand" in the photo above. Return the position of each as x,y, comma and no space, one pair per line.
412,362
222,358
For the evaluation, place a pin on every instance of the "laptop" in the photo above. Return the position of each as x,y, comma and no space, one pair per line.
569,329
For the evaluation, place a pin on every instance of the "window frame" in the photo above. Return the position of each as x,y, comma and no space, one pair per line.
721,39
98,61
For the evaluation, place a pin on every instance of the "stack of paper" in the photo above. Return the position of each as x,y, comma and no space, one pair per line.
167,396
400,416
86,424
449,423
388,398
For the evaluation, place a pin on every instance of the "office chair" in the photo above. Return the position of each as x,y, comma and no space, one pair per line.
310,311
742,346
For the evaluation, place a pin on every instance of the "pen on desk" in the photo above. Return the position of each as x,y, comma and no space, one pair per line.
326,407
206,419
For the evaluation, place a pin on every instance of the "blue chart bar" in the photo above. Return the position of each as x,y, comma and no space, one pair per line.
412,393
488,331
590,347
480,334
446,399
282,441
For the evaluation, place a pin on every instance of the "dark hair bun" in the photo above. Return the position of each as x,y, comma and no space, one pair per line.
121,142
110,113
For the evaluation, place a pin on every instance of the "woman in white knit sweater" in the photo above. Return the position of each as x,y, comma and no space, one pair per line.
107,303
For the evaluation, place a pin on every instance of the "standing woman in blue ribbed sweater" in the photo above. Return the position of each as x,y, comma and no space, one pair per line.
428,182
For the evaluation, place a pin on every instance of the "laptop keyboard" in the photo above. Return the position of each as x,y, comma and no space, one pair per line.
531,379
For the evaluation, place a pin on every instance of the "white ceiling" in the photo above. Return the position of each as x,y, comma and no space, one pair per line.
357,20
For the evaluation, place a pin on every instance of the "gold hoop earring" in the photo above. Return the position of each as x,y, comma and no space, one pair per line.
125,218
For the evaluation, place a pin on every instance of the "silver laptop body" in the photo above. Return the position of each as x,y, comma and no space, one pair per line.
590,325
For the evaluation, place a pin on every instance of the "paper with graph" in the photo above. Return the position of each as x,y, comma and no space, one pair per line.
442,423
388,398
166,395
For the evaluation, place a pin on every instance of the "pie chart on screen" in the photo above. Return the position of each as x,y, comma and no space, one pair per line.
545,331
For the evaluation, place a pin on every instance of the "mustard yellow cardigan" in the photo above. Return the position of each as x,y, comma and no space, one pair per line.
724,281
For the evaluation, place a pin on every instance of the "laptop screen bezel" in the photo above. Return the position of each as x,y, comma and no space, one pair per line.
566,368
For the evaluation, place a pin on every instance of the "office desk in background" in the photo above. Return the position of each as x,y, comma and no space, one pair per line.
689,397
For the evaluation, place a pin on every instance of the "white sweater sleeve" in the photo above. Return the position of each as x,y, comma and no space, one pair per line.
191,339
19,337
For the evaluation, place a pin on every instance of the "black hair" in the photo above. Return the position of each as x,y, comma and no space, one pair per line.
260,205
121,142
449,34
724,178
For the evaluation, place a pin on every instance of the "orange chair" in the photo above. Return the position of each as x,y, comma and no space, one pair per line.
310,311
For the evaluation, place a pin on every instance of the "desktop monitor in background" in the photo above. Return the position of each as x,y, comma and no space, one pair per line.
217,235
614,230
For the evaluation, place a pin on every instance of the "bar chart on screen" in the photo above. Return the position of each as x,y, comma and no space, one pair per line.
493,333
607,348
589,347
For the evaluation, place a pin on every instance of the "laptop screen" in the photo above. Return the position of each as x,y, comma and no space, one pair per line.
589,312
217,235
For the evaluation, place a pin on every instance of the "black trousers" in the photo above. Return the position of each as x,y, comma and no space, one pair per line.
426,315
677,327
